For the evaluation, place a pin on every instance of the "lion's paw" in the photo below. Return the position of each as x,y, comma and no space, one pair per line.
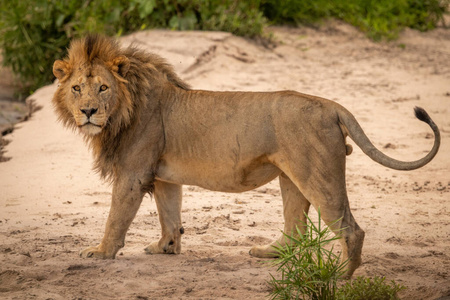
95,252
155,248
267,251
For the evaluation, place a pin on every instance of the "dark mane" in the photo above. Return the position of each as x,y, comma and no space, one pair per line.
138,75
91,48
160,64
95,47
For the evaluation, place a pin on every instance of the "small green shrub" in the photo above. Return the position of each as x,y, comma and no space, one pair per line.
307,269
369,289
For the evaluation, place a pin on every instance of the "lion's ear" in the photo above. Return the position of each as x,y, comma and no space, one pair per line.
121,65
60,69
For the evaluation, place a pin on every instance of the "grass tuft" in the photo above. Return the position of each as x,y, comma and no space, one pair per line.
308,269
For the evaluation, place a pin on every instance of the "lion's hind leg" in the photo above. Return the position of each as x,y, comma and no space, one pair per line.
352,236
168,201
328,193
295,206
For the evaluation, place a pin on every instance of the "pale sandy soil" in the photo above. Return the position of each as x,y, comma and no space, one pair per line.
52,204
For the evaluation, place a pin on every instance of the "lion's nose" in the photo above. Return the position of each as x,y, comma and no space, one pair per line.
89,111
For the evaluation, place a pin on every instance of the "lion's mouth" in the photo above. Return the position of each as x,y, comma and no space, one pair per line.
90,128
89,123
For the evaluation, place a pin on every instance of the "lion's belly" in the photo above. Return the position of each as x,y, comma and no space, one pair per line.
237,178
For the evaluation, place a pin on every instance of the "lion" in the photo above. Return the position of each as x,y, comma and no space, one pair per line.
151,133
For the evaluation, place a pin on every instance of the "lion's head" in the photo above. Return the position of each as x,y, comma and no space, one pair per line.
92,92
107,93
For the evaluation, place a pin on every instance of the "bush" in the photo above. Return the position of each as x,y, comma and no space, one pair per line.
308,270
296,12
380,19
369,289
30,38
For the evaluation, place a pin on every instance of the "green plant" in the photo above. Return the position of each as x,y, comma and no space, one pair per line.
28,38
369,289
379,19
384,19
242,18
307,269
296,11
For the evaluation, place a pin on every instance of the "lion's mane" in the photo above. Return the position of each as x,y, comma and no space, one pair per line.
142,71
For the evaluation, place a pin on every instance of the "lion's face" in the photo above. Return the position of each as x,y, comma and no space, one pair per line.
89,92
92,98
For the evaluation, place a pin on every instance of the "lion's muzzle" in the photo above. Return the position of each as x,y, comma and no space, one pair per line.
89,111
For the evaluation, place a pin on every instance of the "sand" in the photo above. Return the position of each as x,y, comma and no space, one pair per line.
52,204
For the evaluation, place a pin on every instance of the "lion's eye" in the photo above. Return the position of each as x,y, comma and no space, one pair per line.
76,88
103,88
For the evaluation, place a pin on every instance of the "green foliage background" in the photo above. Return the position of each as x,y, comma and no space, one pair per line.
378,18
34,33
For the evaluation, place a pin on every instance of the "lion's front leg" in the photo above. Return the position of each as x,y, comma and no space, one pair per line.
126,199
168,201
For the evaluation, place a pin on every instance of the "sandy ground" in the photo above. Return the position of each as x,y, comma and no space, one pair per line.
52,204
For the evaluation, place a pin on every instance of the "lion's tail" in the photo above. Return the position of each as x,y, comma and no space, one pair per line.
356,133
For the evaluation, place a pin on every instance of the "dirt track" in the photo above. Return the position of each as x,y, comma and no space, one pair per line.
52,205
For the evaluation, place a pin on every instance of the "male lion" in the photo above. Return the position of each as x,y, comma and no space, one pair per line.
150,133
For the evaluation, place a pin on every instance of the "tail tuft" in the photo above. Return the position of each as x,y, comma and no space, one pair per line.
422,115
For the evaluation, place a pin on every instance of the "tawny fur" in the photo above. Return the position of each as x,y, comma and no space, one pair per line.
149,132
